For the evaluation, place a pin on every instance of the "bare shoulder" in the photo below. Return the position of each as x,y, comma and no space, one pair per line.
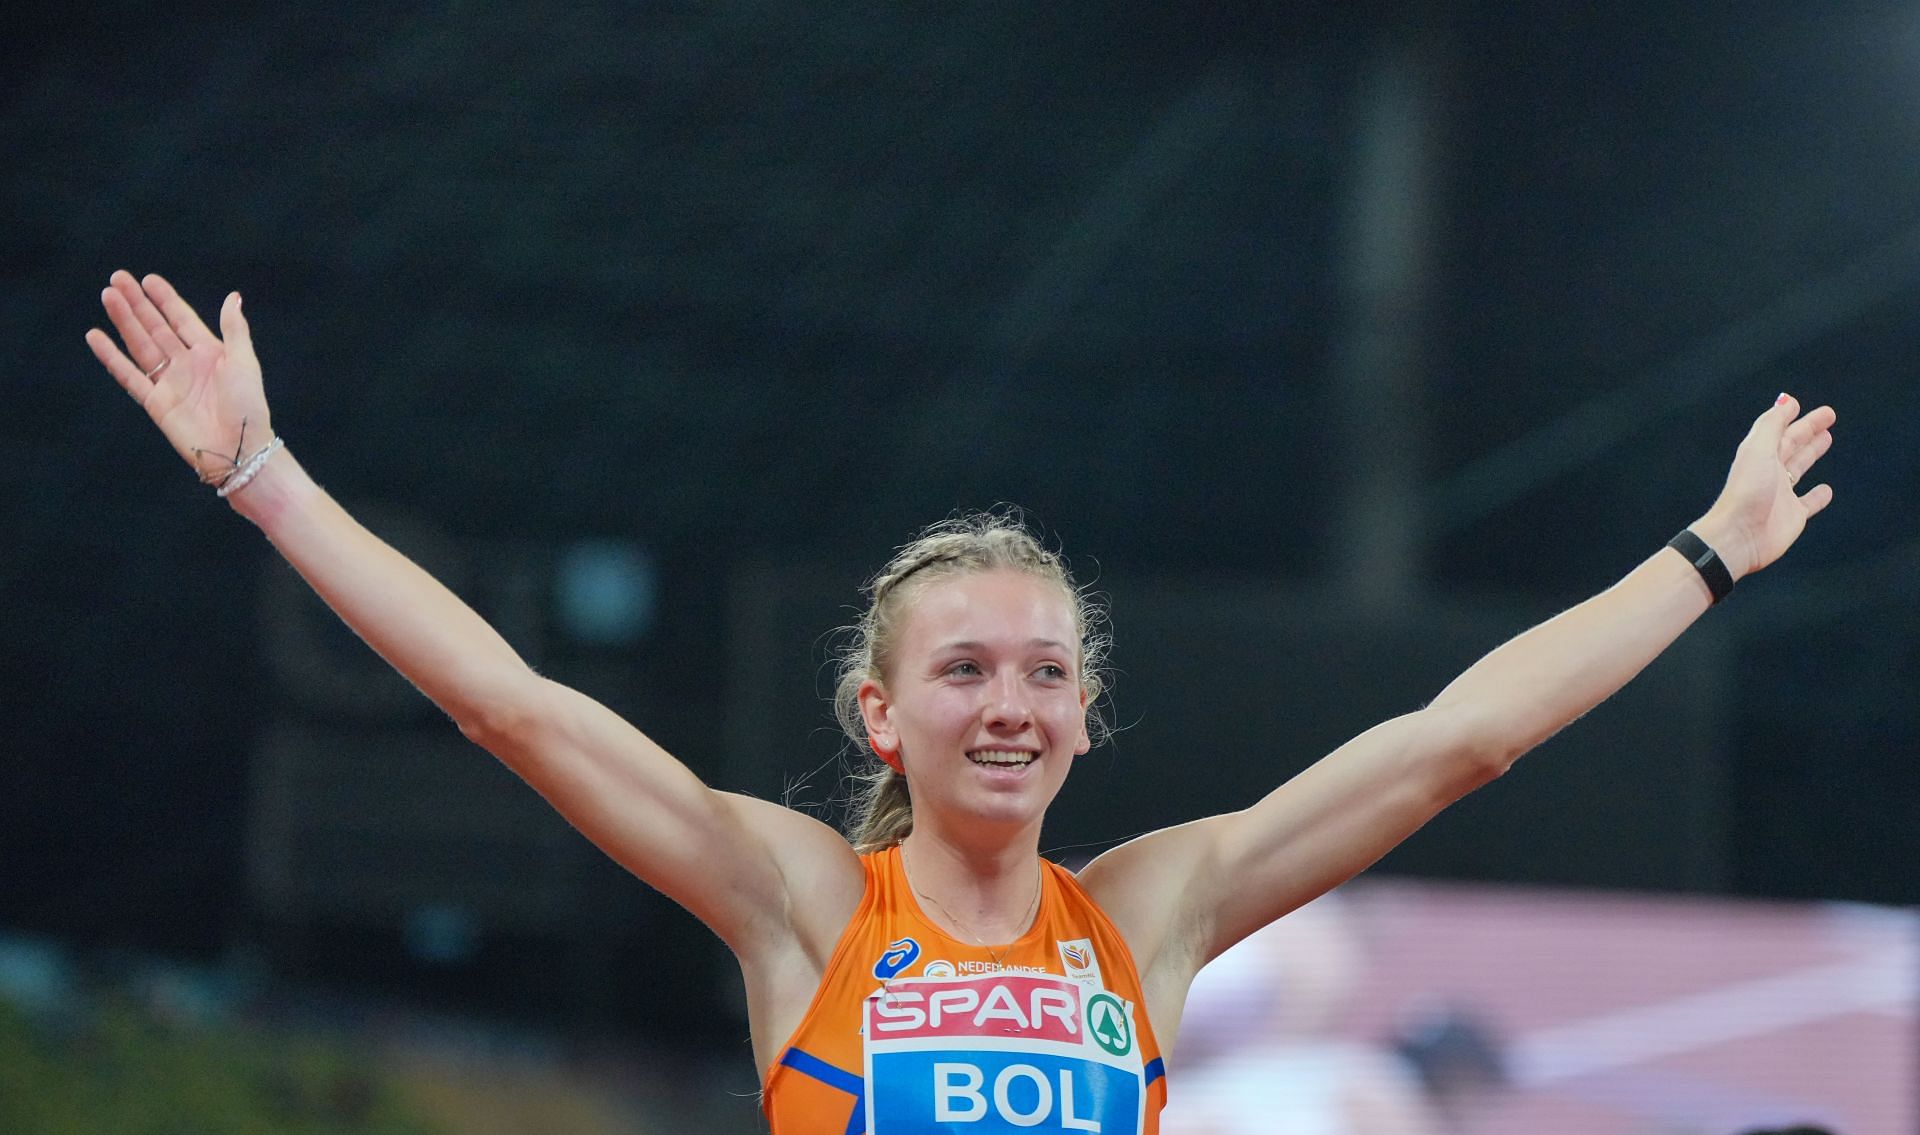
785,957
823,877
1146,886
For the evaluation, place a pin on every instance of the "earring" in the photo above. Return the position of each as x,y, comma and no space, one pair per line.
891,756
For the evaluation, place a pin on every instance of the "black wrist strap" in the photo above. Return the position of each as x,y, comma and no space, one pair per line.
1705,561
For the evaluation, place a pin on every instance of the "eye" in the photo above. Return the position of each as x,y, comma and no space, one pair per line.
1053,672
964,669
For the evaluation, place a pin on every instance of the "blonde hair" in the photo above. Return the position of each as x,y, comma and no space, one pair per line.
882,810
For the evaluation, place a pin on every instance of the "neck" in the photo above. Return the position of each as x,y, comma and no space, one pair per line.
989,891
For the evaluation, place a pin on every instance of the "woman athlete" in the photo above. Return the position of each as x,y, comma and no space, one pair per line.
942,976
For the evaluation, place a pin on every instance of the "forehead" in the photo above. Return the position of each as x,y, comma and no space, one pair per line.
999,606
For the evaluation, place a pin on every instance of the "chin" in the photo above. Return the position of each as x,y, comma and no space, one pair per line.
1017,806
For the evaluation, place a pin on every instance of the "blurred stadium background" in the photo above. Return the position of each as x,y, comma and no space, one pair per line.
1335,342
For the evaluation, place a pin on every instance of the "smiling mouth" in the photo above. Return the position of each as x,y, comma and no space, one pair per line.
1000,758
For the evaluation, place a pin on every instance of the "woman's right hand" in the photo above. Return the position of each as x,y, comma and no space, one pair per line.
203,391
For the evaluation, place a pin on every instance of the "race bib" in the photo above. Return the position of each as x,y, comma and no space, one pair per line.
1001,1054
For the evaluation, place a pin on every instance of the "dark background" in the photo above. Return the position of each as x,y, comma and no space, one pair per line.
1328,401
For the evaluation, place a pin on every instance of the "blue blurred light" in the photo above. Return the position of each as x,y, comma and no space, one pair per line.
607,592
442,933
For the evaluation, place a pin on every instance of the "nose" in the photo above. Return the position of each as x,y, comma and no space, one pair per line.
1008,708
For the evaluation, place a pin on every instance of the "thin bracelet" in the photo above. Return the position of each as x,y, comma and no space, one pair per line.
251,469
1705,561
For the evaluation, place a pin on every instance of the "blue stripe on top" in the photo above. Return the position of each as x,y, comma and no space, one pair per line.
1155,1069
807,1064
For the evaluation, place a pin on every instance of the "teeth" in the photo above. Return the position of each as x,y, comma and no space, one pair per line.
996,757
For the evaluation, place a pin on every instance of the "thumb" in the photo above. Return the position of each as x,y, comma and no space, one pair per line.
234,332
1771,426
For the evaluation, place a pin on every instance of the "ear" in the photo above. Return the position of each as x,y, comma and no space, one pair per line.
877,712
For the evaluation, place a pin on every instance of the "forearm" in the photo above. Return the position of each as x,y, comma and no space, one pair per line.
413,621
1535,684
1358,802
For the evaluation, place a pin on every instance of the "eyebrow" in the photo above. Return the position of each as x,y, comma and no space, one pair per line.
1032,644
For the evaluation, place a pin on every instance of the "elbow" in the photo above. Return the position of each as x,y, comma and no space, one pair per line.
1483,768
1475,768
1477,751
503,721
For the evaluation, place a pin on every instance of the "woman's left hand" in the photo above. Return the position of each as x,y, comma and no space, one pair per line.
1761,512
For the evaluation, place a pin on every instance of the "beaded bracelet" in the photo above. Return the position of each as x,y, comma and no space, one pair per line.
248,469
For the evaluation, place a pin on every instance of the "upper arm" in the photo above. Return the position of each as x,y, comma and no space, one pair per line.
751,870
1333,820
1191,891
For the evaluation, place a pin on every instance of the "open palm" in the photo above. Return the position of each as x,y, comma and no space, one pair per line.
203,390
1761,512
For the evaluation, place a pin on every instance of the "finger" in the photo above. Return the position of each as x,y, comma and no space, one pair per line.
236,333
139,308
138,303
170,346
1802,459
1800,432
1817,498
180,314
140,345
124,370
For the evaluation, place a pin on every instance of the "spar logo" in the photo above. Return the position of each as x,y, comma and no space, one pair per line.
1006,1005
900,954
1108,1025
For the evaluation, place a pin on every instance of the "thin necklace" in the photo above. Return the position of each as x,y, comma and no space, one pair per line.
1026,920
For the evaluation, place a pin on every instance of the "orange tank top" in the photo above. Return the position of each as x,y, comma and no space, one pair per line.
913,1032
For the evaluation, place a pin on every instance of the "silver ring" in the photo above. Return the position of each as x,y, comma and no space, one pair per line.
1793,479
158,367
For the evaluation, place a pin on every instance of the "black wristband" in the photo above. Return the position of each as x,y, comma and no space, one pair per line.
1705,561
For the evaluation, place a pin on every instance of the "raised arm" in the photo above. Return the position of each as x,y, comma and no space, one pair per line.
1224,877
733,861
